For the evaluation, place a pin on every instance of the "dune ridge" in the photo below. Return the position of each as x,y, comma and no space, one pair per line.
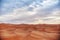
29,31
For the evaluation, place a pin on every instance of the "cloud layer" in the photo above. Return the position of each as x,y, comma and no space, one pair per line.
30,11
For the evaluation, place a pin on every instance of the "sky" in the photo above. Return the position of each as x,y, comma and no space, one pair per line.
30,11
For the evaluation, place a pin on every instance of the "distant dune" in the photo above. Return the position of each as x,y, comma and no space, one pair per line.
29,31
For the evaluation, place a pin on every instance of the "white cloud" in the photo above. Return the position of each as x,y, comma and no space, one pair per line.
54,17
48,3
17,14
23,15
44,4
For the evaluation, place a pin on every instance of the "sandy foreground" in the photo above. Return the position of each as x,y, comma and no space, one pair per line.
29,33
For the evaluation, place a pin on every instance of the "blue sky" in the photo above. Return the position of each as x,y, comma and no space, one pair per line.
30,11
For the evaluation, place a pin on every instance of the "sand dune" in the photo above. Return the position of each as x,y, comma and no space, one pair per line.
29,32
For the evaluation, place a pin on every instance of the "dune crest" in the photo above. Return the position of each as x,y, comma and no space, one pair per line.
29,31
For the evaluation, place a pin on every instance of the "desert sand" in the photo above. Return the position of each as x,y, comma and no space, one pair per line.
29,32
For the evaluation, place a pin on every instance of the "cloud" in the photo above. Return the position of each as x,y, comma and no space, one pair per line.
34,12
19,14
53,18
